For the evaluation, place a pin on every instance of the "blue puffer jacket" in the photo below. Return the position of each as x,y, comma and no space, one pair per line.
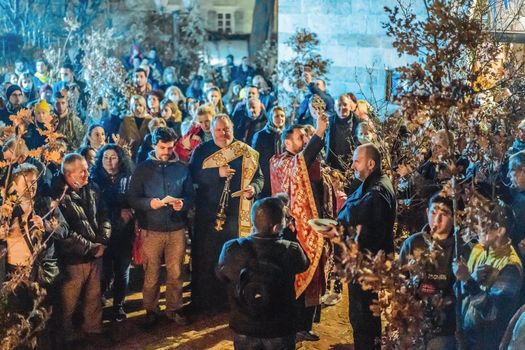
156,179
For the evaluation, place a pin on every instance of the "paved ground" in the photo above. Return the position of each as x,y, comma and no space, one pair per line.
212,332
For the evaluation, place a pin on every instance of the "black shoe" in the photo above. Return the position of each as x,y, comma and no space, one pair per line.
177,317
307,336
150,321
120,314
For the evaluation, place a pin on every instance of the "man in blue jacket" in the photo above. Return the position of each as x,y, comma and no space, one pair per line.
161,192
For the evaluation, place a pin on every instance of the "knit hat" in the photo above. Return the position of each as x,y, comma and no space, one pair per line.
42,105
11,89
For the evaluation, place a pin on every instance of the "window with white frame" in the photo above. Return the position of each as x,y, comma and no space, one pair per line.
225,23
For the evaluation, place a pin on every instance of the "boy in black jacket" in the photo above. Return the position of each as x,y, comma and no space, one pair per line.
439,279
260,272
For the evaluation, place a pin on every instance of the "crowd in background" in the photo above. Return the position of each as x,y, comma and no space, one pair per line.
145,174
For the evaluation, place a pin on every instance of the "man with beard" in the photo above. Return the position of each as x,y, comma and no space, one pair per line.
67,122
220,216
161,192
73,86
371,209
297,173
140,82
14,97
268,143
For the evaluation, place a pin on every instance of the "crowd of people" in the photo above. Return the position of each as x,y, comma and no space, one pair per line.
221,163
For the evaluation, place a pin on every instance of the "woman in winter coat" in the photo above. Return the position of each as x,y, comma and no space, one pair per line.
135,126
112,172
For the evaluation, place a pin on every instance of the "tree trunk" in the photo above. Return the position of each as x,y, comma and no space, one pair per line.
262,25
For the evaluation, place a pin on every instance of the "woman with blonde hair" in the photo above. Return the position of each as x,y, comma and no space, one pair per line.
134,126
175,94
171,114
364,110
169,78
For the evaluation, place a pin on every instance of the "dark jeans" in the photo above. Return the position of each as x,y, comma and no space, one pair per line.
366,327
116,265
306,316
244,342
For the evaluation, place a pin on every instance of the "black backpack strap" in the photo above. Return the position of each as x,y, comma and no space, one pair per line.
249,251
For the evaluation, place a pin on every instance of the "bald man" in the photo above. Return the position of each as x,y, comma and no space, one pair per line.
372,210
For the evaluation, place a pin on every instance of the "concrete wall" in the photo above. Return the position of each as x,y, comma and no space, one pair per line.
351,35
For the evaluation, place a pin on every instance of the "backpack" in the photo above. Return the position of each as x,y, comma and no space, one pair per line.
259,287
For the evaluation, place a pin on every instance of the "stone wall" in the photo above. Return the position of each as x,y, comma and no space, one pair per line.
351,35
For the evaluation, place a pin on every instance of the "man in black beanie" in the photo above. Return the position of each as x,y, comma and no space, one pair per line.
14,98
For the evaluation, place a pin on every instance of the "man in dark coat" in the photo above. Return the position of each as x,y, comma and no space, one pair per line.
247,122
243,71
271,326
372,210
318,87
81,252
163,222
268,143
342,140
211,164
14,97
76,89
515,198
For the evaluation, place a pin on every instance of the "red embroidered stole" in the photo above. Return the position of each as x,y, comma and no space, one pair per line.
289,174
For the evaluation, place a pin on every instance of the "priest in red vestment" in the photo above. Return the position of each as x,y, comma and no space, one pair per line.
298,173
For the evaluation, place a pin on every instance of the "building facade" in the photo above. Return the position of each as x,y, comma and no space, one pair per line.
352,36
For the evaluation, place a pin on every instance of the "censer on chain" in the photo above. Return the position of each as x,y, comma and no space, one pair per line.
220,219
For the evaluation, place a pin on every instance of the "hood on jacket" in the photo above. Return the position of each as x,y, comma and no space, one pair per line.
271,127
174,157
